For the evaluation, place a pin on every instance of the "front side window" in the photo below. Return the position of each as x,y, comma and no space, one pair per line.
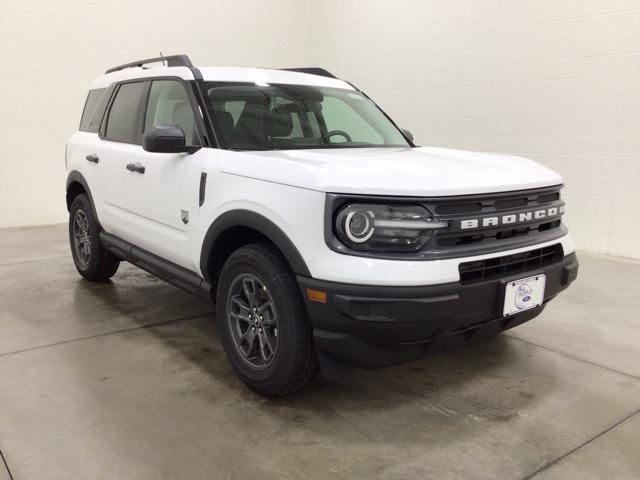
271,117
169,105
125,113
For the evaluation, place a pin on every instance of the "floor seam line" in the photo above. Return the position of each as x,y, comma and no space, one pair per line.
115,332
33,261
574,357
595,437
6,465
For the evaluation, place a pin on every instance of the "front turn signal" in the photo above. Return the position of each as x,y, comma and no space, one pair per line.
316,295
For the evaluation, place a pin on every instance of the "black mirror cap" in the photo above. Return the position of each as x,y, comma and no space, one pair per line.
408,135
166,139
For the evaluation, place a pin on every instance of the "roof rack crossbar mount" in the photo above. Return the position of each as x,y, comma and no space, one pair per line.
311,70
172,61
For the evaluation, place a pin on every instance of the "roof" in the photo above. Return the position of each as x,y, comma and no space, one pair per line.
222,74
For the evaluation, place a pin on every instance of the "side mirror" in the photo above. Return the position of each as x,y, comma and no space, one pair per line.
166,139
407,134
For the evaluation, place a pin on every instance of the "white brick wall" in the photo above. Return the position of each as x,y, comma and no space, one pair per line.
50,50
557,81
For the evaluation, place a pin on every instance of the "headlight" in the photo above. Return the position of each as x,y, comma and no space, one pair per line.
385,228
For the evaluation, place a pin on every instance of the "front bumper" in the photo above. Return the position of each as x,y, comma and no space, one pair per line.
376,326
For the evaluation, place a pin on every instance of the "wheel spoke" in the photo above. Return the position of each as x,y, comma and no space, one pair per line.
265,306
250,339
237,301
249,288
264,344
268,341
245,334
239,317
266,312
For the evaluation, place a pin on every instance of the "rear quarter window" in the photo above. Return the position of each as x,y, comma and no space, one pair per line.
94,108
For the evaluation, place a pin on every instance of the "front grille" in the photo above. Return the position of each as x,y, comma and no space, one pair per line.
510,264
498,205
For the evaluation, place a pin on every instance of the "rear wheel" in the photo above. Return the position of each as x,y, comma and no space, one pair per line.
91,259
263,322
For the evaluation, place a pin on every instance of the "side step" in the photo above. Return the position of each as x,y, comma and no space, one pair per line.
161,268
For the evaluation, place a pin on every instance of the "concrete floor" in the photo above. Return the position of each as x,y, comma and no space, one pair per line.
128,380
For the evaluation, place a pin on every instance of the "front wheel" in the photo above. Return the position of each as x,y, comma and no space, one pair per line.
92,260
263,322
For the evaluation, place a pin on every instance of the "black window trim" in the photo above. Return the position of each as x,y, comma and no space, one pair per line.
198,110
114,95
207,126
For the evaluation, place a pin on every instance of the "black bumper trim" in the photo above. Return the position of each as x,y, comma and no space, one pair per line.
376,326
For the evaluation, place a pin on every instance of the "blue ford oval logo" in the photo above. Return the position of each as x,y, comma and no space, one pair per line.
524,294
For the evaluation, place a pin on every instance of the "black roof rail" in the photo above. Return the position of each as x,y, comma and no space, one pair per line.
172,61
312,70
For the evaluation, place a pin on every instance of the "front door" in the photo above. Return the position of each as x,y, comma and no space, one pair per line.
162,190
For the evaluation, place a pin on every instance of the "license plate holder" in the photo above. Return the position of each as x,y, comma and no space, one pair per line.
523,294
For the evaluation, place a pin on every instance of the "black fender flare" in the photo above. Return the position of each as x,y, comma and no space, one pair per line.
250,219
77,177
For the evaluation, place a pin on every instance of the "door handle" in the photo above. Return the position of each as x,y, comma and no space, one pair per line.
135,167
93,158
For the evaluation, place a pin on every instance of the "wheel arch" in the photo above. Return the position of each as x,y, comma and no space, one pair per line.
75,185
221,240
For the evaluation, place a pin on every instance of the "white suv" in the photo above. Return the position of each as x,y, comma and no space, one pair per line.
326,238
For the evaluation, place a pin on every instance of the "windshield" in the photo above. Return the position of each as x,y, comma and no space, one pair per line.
273,117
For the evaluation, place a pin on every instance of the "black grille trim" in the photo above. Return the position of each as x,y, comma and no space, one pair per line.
497,205
492,268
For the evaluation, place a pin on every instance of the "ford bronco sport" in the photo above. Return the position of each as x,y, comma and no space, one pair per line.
325,237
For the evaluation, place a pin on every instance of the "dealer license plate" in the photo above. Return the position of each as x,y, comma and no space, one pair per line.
523,294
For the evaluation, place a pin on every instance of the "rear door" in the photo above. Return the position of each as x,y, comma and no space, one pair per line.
162,190
118,143
84,145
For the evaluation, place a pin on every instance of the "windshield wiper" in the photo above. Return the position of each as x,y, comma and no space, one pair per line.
238,148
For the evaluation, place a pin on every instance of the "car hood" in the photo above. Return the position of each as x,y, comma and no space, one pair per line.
420,171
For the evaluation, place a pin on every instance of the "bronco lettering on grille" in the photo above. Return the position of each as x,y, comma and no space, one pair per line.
511,219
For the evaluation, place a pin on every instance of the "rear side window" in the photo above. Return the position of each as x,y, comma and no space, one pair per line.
124,122
93,110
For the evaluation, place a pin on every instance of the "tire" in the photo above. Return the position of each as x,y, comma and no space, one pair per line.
91,259
277,357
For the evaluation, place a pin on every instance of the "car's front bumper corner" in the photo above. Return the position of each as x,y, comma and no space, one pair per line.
376,326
